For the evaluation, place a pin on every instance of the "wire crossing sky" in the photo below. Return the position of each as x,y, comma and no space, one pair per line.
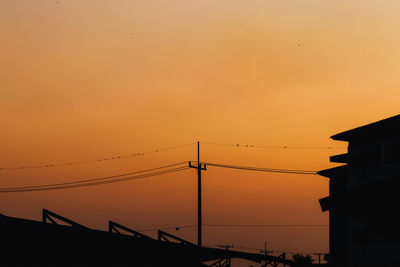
288,171
278,147
97,160
180,166
104,159
99,181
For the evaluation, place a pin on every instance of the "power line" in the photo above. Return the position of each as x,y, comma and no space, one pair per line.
278,250
143,174
107,177
277,147
235,225
95,181
289,171
102,159
169,228
141,154
76,185
38,188
266,225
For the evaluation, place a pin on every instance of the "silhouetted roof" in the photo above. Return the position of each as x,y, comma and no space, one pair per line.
341,158
37,243
339,171
383,127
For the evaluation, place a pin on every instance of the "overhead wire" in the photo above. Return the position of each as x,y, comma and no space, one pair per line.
22,189
143,174
98,181
248,168
277,250
140,154
101,159
109,177
282,250
266,225
169,228
234,225
278,147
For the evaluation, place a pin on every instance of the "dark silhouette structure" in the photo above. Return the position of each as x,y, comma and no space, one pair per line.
364,196
58,241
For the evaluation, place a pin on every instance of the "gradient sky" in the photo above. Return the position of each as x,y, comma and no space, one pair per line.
90,79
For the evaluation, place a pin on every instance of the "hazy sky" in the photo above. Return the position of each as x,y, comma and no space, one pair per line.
86,79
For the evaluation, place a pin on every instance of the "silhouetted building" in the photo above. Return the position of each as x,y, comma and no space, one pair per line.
364,196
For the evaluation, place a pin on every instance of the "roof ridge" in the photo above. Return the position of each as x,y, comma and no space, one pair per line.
346,135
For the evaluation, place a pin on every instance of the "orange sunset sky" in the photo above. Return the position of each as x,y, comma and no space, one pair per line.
88,79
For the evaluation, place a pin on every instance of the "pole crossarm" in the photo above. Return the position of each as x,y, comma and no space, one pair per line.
49,216
195,165
114,227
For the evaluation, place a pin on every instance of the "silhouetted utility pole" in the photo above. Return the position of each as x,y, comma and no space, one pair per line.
227,247
319,256
198,196
228,259
199,220
266,251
